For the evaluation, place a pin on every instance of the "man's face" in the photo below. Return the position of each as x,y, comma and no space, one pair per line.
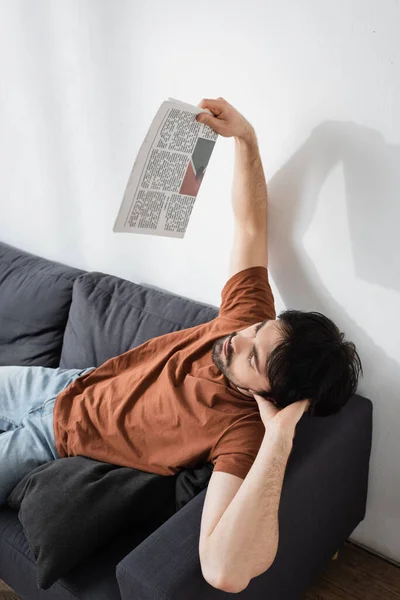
237,359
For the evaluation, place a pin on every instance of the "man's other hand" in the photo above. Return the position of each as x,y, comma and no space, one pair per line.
283,420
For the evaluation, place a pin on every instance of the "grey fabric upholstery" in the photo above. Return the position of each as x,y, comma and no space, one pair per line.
325,489
35,297
110,315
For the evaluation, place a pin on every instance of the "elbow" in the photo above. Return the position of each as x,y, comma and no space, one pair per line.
233,587
211,574
235,582
220,581
226,584
230,583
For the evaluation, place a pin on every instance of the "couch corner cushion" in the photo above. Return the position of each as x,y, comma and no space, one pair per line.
35,298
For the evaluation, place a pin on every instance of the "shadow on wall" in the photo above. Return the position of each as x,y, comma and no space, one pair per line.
372,184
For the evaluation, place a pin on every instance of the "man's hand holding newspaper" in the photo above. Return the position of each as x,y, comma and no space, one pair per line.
227,121
171,163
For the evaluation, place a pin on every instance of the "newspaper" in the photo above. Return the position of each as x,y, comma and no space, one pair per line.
167,173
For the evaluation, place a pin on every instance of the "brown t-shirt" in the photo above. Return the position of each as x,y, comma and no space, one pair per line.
164,405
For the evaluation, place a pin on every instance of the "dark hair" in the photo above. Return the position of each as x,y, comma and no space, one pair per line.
312,361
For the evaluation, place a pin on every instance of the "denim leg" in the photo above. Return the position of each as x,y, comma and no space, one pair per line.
26,447
24,388
27,399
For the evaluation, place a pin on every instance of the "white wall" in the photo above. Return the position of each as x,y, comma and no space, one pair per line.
319,80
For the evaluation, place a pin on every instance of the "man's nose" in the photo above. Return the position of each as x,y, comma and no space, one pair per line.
239,343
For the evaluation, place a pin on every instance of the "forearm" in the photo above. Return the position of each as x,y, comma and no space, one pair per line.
245,540
249,188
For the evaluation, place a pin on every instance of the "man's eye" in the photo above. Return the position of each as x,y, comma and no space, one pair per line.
256,328
250,357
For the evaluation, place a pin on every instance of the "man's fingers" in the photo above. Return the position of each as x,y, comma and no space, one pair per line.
214,105
303,407
266,403
296,410
207,120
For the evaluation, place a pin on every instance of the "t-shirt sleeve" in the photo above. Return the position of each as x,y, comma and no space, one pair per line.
247,296
237,448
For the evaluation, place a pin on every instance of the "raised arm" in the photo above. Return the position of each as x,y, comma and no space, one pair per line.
249,188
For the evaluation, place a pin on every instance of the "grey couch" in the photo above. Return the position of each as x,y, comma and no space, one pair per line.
54,315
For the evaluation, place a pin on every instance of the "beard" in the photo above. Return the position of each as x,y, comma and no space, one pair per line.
218,356
221,362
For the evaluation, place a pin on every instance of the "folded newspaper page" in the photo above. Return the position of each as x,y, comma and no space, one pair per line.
167,173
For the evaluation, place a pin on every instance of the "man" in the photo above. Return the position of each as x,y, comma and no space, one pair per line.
229,391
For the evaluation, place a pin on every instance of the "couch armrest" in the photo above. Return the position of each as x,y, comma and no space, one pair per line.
323,499
166,565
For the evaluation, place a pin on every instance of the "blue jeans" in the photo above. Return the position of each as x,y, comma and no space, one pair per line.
27,398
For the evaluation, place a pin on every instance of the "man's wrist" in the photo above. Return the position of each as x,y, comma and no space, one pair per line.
247,137
279,434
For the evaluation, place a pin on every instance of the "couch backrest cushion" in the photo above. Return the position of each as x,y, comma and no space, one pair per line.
35,297
110,315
